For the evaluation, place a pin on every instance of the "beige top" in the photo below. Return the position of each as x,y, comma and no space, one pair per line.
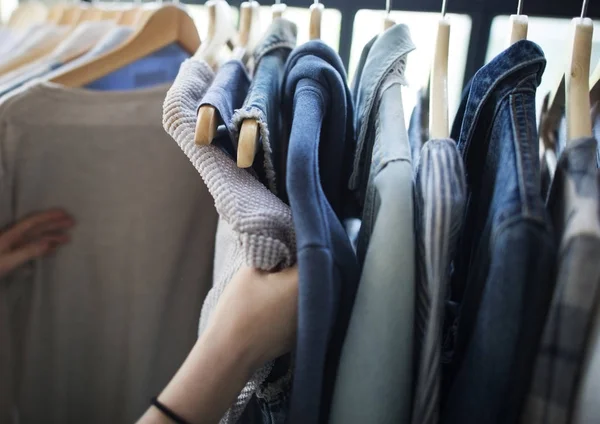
95,331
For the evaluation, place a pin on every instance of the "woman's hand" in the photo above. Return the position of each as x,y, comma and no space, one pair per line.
254,322
32,237
260,311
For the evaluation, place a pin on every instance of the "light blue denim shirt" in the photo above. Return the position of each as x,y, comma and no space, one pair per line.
375,373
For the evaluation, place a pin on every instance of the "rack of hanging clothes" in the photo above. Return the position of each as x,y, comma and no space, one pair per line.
448,266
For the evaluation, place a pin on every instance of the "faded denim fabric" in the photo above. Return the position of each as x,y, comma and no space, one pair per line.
318,109
225,94
374,379
504,269
574,206
263,102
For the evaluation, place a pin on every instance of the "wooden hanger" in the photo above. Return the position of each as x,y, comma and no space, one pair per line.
165,25
568,93
130,17
56,13
438,94
388,22
577,80
278,9
27,14
108,14
41,43
71,15
249,12
248,140
316,16
221,31
518,25
207,123
219,18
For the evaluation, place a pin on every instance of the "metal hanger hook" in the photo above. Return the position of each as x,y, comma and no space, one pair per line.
520,7
388,6
584,8
443,8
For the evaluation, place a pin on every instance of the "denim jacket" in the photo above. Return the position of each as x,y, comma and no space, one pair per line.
504,268
376,387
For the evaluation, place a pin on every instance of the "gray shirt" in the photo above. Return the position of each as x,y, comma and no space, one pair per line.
375,372
92,332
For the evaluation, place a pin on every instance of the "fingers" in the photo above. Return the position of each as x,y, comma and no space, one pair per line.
45,229
33,227
18,257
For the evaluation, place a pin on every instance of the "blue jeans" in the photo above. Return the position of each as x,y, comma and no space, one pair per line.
263,104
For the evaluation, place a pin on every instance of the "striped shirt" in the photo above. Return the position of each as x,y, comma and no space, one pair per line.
440,202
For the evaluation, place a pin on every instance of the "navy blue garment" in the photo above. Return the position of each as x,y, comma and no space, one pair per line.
227,93
318,106
504,268
160,67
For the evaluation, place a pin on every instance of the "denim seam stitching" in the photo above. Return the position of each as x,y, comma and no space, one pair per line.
517,140
481,102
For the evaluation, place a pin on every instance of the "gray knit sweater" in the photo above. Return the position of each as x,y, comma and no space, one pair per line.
255,227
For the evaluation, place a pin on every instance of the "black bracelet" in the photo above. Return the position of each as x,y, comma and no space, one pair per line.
167,412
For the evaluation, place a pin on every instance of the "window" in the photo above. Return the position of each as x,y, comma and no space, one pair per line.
554,37
6,8
330,28
422,25
330,25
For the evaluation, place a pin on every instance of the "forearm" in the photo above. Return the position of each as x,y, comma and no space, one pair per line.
207,383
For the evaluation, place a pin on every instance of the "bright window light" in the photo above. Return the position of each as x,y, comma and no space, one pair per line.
330,25
554,37
369,23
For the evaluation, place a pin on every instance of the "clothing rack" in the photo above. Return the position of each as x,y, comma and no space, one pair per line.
482,13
